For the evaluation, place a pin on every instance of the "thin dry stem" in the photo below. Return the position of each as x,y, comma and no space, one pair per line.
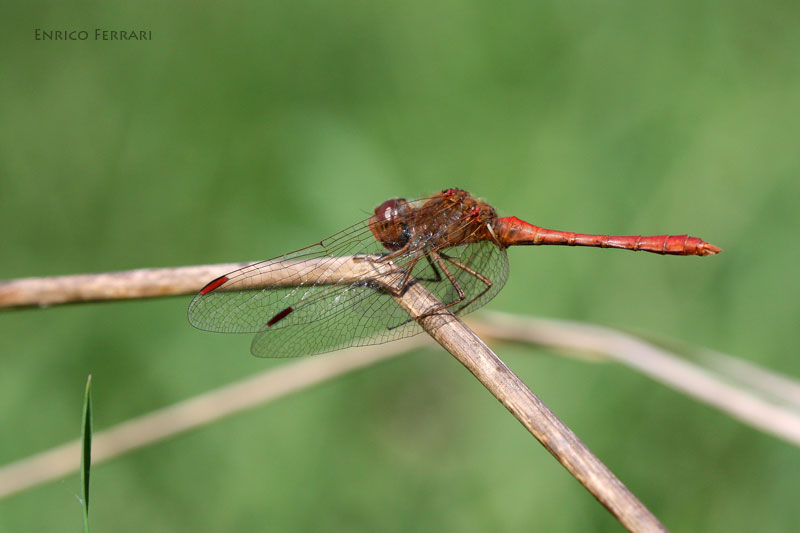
532,413
665,367
125,285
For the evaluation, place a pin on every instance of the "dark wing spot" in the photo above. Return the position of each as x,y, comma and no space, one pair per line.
280,316
213,284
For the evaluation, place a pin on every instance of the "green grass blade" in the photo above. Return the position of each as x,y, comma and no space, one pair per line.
86,451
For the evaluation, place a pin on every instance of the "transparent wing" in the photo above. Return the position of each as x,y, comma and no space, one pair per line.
359,315
301,303
355,316
245,300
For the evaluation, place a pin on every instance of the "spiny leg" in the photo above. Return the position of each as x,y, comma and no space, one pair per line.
410,268
461,296
407,277
473,272
400,252
392,255
382,258
437,274
397,291
459,290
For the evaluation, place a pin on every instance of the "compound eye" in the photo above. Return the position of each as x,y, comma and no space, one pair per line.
387,211
387,224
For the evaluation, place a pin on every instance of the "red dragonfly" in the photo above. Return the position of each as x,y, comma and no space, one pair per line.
337,293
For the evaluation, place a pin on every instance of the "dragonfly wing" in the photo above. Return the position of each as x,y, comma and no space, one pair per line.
299,305
245,300
354,316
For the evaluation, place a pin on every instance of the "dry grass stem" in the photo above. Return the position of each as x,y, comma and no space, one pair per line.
665,367
532,413
124,285
769,384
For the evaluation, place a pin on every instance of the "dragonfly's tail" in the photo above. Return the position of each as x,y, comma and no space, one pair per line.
511,231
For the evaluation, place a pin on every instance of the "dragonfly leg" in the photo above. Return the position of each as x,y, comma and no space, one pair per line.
461,296
383,258
407,268
473,272
397,291
437,275
396,253
459,290
407,276
410,268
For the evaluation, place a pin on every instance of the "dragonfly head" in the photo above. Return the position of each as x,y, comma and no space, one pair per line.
388,224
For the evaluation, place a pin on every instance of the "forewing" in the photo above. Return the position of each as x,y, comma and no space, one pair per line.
356,316
246,300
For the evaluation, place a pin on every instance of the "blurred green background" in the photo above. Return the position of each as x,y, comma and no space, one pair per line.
246,130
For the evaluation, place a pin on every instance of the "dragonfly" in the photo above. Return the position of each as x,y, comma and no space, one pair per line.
338,293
